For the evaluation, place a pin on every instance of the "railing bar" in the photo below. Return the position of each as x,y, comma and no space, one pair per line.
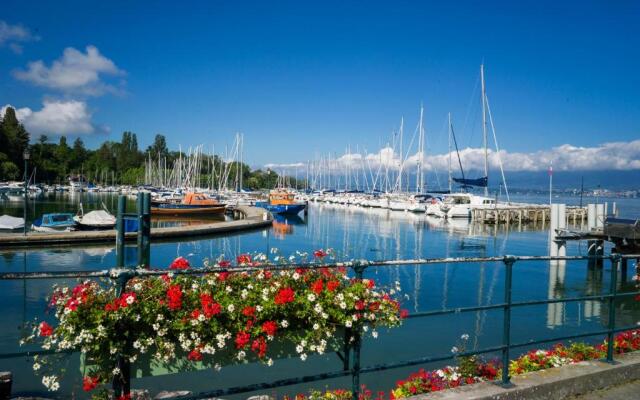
454,311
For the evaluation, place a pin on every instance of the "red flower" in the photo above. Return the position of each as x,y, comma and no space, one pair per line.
166,278
174,295
195,314
267,274
317,286
359,305
126,299
180,263
112,306
371,283
270,328
194,355
284,296
222,276
404,313
259,346
243,259
249,311
89,383
242,339
209,307
224,263
332,285
45,329
319,253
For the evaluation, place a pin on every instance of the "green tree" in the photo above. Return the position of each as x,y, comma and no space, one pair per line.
13,137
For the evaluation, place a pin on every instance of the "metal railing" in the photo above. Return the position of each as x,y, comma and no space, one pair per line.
350,355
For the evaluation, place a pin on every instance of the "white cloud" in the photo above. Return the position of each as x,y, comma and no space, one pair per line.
13,35
57,117
285,166
606,156
75,72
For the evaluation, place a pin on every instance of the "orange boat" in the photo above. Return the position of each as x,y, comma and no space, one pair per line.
192,204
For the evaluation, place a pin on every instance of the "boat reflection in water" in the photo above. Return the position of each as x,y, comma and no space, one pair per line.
283,224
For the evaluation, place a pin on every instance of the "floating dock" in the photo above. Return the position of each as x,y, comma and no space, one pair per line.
523,213
248,218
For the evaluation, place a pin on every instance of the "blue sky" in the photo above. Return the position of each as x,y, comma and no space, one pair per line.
302,78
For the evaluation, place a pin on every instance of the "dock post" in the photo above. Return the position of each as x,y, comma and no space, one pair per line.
140,212
6,379
506,319
612,306
122,209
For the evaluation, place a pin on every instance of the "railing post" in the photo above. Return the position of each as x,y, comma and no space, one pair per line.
357,344
122,209
140,211
506,328
122,384
146,233
613,289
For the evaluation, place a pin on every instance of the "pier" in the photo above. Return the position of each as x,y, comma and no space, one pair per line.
247,218
524,213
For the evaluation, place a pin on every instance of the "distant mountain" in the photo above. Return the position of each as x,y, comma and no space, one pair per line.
612,180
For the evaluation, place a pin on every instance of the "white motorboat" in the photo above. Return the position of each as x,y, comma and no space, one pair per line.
459,205
95,220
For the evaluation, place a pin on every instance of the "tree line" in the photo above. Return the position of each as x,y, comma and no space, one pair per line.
112,163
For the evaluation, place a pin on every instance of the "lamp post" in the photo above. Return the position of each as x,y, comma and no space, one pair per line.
25,156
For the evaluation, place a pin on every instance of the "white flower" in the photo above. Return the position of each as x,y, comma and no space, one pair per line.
303,356
325,315
36,366
464,337
316,327
374,334
115,371
228,289
270,362
299,349
348,323
258,308
311,297
284,323
343,305
137,287
241,355
454,350
296,276
231,308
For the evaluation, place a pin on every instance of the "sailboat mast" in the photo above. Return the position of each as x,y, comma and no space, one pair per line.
420,153
484,130
450,153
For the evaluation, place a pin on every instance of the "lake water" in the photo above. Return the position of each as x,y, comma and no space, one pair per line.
353,233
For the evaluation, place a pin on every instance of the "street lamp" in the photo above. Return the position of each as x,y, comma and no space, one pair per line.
25,156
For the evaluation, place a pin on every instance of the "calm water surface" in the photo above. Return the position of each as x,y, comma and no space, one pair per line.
353,233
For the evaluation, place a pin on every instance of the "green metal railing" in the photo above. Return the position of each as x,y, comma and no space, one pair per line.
351,353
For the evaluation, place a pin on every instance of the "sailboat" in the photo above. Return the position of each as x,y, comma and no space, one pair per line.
459,205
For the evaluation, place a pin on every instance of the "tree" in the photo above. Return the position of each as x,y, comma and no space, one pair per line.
158,149
14,137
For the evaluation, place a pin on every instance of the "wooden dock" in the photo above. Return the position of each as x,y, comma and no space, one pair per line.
523,213
248,218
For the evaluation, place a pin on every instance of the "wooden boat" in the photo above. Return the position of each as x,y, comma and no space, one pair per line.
192,204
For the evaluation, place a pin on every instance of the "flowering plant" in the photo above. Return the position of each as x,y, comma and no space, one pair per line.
207,318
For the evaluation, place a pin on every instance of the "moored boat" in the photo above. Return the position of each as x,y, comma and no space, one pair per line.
191,204
95,220
54,222
282,201
9,223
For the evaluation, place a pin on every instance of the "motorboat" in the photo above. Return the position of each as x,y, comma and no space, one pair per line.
54,222
459,205
282,201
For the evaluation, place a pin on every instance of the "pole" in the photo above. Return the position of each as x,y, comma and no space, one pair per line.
484,130
506,335
550,183
450,181
122,208
26,190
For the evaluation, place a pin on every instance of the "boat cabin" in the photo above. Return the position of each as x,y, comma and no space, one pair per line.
281,198
198,199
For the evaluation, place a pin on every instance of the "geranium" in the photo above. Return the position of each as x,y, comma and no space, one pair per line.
284,296
319,253
317,286
243,259
270,328
242,339
194,355
224,263
174,296
45,329
249,311
89,383
180,263
333,285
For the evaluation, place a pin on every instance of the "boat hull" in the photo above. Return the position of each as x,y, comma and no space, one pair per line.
282,209
182,210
